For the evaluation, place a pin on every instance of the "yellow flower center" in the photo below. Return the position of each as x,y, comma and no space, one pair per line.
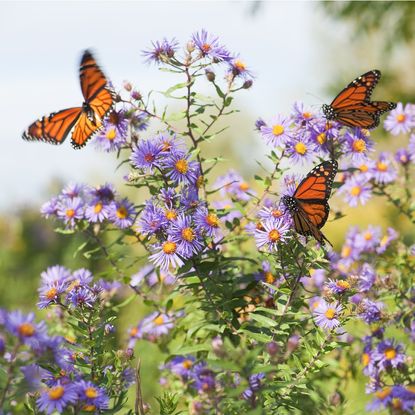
365,359
346,251
26,330
355,190
51,293
390,353
159,320
212,220
300,148
243,186
277,129
89,408
330,313
381,166
274,235
111,134
239,65
307,115
171,214
70,213
321,138
343,284
276,213
149,158
91,392
315,304
269,278
188,234
364,168
384,393
396,403
187,364
122,212
169,247
182,166
133,331
166,146
56,393
359,146
206,47
98,207
368,236
384,240
401,118
259,226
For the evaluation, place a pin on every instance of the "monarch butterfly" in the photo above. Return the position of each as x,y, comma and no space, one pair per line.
309,206
352,106
85,120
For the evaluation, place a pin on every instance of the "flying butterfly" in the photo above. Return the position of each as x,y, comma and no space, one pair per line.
308,205
83,121
352,106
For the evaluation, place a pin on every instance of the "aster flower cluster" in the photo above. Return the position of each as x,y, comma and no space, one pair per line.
79,204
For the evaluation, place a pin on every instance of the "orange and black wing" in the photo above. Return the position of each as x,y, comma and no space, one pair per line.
84,129
305,227
55,127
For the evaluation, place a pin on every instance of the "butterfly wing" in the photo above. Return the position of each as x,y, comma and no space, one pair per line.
53,128
304,227
84,129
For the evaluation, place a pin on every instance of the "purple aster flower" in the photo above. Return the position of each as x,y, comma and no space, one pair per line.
302,115
383,398
272,233
274,211
73,190
370,311
388,354
209,46
138,279
367,277
114,132
339,286
326,315
383,171
322,135
248,394
386,240
81,297
189,197
81,277
357,145
289,184
368,239
168,196
161,51
259,123
152,219
24,327
238,68
356,190
96,211
255,381
57,398
403,399
182,366
402,156
186,236
147,155
105,193
33,376
50,293
167,255
55,274
278,132
171,144
156,325
181,170
400,120
206,222
301,149
50,208
71,210
232,184
203,378
122,213
92,398
139,120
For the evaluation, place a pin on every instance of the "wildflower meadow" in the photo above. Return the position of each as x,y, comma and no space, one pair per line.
246,314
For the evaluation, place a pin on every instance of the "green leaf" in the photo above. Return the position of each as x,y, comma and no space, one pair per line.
265,321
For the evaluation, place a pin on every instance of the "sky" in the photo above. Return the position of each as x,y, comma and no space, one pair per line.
42,43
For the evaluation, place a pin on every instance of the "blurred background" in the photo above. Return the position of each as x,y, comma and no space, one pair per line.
303,51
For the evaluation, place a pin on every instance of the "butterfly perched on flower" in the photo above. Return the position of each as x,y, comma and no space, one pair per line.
308,205
352,106
83,121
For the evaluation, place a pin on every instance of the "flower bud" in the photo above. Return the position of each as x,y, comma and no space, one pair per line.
109,328
247,84
293,343
210,75
217,346
136,95
127,86
190,47
272,348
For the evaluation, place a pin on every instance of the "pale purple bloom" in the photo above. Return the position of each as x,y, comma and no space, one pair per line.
371,311
168,196
81,297
300,150
167,255
50,293
82,276
386,240
181,170
259,123
383,171
161,50
238,68
92,395
186,236
400,120
357,145
182,366
156,324
206,222
289,184
152,219
274,232
338,286
402,156
356,190
71,210
234,185
388,354
231,212
147,155
114,132
105,193
367,277
73,190
122,213
326,315
96,211
55,274
203,378
24,327
33,376
321,136
208,46
57,398
278,132
50,208
302,115
368,239
255,381
170,143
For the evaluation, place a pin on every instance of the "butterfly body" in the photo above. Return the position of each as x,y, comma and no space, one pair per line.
83,121
309,206
352,107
